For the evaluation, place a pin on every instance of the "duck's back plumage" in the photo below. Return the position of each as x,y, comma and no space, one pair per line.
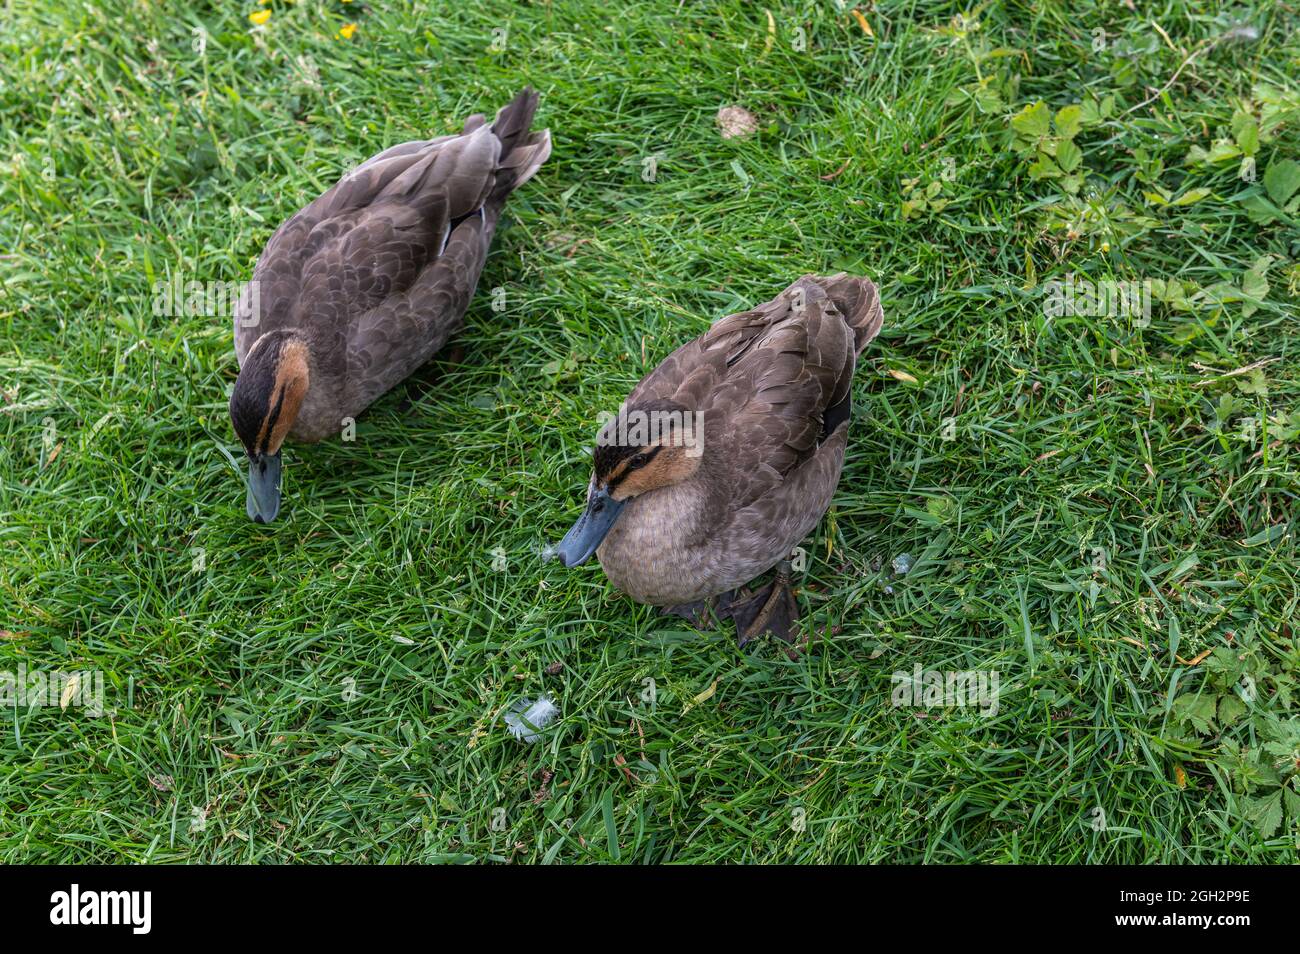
378,271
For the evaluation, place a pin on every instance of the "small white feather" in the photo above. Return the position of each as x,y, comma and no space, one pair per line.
527,718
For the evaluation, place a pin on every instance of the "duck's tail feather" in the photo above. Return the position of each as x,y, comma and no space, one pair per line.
514,119
858,300
522,151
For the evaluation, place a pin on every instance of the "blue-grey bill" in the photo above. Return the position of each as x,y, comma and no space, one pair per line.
263,503
585,536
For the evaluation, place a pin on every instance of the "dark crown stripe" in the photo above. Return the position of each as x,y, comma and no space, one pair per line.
651,455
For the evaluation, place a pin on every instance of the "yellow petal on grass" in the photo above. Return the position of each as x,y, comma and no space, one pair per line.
862,22
902,376
346,31
1180,777
704,696
69,691
259,17
771,32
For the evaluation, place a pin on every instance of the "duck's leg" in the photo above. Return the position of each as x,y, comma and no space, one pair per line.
772,609
697,613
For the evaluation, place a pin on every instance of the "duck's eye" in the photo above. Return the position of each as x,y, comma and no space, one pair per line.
640,460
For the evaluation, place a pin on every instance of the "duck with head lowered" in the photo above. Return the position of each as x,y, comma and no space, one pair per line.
726,455
363,285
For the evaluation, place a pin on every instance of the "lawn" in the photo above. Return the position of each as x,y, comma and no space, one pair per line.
1097,502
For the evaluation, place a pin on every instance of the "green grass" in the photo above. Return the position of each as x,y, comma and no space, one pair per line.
1100,518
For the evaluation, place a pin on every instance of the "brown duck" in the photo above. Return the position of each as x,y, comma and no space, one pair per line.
726,455
362,286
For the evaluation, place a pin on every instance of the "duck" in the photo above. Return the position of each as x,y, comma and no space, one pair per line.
365,283
725,456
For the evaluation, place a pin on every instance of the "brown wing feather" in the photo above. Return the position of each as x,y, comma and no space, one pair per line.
279,270
790,509
380,353
765,378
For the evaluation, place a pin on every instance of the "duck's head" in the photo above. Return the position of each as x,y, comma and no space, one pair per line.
644,448
263,407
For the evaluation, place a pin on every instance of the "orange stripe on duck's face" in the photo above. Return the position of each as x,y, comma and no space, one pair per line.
647,446
288,388
643,469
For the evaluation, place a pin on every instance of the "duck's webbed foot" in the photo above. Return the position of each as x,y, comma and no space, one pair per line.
697,613
772,609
